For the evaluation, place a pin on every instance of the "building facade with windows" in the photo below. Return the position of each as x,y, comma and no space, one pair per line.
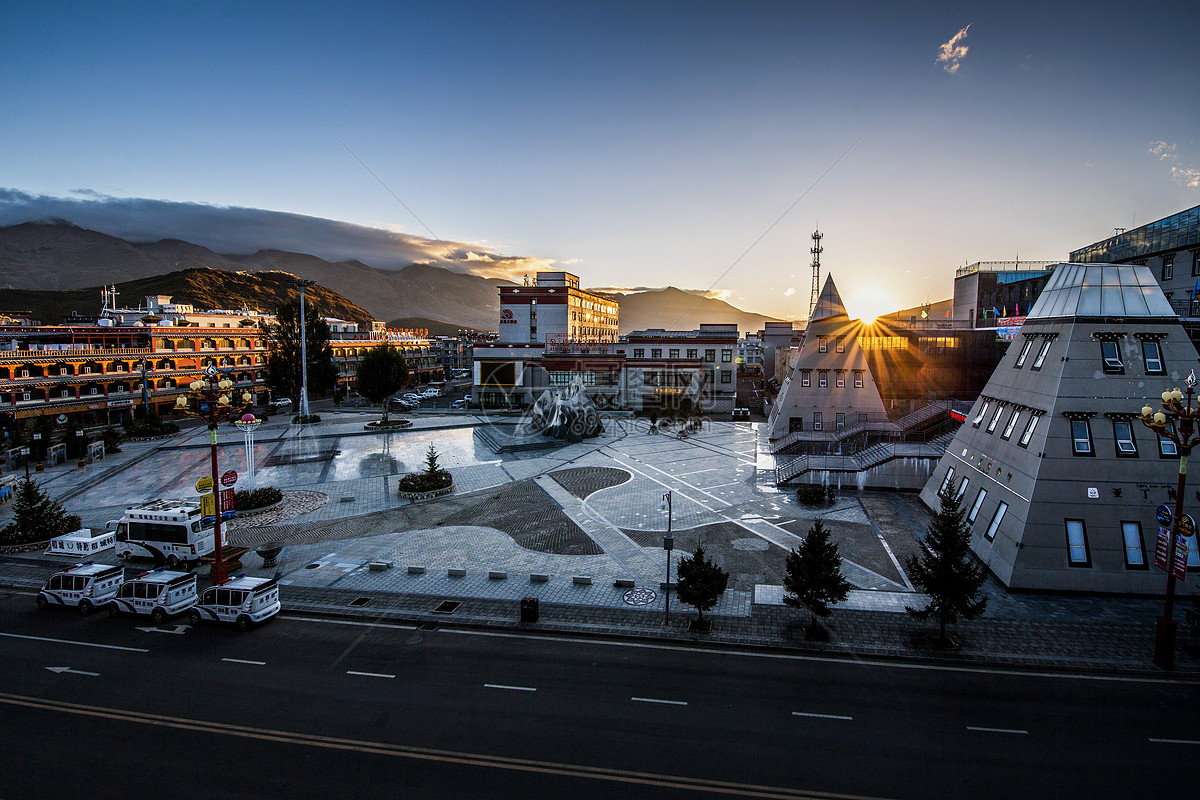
1057,475
554,309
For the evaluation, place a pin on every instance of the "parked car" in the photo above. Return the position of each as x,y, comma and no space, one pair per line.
161,593
431,392
240,600
281,402
84,586
458,404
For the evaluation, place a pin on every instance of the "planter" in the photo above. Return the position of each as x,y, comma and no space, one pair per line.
24,548
415,496
254,512
269,552
392,423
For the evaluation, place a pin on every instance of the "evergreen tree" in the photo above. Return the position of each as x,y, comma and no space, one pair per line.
381,373
814,579
36,517
432,467
283,356
701,582
944,569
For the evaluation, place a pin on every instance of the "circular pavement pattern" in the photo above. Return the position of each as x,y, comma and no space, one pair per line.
640,597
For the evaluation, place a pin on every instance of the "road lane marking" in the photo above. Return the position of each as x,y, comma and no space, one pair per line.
510,688
482,760
656,700
81,644
369,674
61,670
998,730
1176,741
244,661
820,716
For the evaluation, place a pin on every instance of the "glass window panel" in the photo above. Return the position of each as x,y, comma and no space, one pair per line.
1135,554
979,498
1029,427
1077,546
1081,436
997,518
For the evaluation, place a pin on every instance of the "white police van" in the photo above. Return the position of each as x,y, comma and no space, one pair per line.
170,531
160,593
241,600
85,586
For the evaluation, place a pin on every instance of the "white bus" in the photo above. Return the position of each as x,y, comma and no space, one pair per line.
169,531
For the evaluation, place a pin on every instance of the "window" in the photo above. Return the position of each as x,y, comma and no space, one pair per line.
823,378
639,352
726,356
1168,267
1152,357
693,353
726,377
946,481
1123,433
823,344
1028,433
1112,358
656,352
994,525
1024,353
983,409
24,373
839,421
1012,423
995,417
1135,553
1195,263
1166,447
979,498
673,352
816,420
858,380
839,380
1081,437
805,377
710,356
1041,356
841,344
962,488
1077,545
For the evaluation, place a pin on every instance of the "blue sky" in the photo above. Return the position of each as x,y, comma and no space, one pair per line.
638,144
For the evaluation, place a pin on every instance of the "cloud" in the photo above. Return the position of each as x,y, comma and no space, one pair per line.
1183,175
952,53
790,291
234,230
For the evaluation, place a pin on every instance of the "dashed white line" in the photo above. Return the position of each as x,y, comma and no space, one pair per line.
370,674
820,716
1176,741
510,688
656,700
998,730
244,661
81,644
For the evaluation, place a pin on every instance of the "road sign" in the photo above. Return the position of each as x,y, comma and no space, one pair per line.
208,506
227,503
1164,515
1187,525
1162,547
1179,567
204,485
229,478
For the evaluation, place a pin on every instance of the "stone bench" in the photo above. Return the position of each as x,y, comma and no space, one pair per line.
538,577
496,575
456,572
415,570
581,580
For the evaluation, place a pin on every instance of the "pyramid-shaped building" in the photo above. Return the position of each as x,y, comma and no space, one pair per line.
1057,474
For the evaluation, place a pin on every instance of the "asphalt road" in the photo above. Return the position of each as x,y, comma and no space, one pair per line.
317,709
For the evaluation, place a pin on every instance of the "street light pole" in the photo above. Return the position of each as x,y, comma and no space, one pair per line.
213,401
1180,406
668,545
303,284
145,394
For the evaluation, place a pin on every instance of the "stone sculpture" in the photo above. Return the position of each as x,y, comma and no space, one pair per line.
572,417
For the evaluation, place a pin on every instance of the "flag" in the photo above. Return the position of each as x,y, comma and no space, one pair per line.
924,314
1006,311
995,311
947,313
1018,311
1196,290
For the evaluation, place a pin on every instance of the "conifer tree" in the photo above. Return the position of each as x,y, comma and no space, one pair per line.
944,569
701,583
36,517
813,577
381,373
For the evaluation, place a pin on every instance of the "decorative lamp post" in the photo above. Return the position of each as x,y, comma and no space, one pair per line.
211,400
248,424
25,458
1178,405
668,545
303,284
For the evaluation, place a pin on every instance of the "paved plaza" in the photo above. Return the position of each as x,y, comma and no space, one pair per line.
579,527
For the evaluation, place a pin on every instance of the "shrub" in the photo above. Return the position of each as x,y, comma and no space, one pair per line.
249,500
811,494
36,517
112,439
311,418
152,426
425,481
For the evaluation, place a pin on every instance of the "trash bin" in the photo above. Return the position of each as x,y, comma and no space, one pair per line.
529,609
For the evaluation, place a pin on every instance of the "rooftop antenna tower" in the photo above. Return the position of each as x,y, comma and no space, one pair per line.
816,268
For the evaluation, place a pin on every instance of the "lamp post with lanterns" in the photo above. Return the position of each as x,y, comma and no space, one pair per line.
1176,404
211,399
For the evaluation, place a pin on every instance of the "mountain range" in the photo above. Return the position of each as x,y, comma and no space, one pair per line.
59,255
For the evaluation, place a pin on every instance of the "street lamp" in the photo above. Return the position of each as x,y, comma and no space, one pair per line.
1185,437
303,284
211,400
145,392
668,545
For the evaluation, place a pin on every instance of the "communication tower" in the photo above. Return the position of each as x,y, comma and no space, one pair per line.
816,268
